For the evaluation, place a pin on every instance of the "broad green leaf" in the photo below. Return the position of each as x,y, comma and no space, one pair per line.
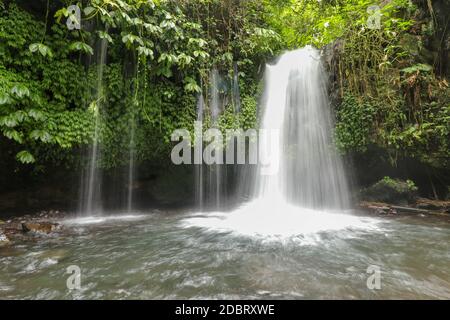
42,48
105,35
20,91
25,157
88,10
36,114
145,52
13,135
191,85
4,98
61,13
81,46
42,135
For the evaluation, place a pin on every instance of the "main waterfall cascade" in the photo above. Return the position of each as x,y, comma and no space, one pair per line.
310,174
307,191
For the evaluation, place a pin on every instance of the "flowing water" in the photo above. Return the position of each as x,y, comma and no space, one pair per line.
162,255
215,171
306,169
199,179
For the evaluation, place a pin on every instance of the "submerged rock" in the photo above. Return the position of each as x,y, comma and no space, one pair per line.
40,227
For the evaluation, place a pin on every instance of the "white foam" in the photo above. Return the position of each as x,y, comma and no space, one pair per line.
278,220
102,219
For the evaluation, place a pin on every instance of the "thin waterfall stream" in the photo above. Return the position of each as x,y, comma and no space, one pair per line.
90,202
131,159
132,142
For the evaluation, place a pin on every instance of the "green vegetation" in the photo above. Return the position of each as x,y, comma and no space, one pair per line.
159,53
392,191
390,83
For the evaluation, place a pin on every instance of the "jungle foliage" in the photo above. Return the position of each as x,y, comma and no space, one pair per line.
146,62
141,61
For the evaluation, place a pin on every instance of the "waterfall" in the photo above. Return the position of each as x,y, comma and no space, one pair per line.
310,173
131,158
132,143
199,154
299,187
214,104
215,171
91,190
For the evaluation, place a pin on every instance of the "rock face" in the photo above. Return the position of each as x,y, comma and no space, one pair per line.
173,186
330,57
40,227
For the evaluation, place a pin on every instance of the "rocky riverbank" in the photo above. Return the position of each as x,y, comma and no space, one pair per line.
30,227
421,206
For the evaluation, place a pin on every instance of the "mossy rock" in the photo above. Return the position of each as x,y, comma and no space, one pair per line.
394,191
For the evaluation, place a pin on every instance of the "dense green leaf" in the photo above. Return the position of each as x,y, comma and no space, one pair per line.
25,157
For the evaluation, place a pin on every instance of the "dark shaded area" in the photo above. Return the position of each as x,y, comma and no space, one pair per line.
374,165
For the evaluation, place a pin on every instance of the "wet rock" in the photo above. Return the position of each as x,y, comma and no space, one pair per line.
377,208
40,227
3,239
13,228
435,205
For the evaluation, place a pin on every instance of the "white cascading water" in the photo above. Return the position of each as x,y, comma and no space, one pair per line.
215,171
308,192
310,173
90,200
